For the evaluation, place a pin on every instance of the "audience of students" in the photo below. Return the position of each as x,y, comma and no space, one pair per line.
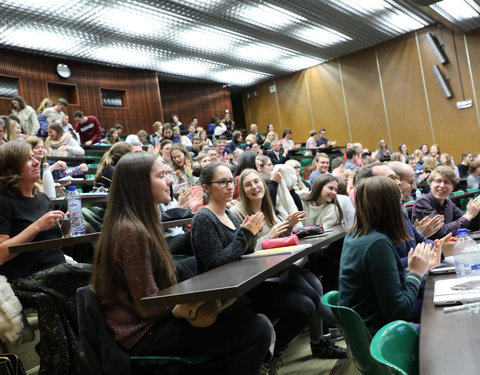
269,206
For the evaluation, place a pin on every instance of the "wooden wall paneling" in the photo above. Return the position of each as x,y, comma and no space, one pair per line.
404,93
455,130
203,100
294,106
144,106
326,98
364,99
263,108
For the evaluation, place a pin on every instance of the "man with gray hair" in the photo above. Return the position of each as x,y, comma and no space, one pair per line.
406,174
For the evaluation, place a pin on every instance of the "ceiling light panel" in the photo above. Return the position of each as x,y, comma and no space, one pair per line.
321,36
456,10
239,77
265,15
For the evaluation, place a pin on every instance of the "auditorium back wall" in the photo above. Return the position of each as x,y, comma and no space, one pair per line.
388,91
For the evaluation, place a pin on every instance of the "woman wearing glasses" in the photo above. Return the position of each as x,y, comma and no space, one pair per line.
219,238
442,182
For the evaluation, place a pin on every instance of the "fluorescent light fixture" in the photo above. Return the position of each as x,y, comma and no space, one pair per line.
127,20
122,55
299,62
239,77
363,6
50,5
458,10
259,53
41,40
403,22
322,36
269,16
207,39
185,67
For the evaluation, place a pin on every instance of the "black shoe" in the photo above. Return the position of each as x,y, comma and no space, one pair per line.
334,335
327,349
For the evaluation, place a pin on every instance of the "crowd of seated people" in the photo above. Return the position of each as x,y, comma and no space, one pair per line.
240,192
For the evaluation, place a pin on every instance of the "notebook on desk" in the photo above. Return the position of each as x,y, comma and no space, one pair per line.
277,251
445,295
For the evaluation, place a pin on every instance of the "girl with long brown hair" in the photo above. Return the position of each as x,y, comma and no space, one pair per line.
132,261
372,278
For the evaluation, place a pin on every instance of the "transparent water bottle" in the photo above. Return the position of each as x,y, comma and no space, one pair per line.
466,253
48,183
75,207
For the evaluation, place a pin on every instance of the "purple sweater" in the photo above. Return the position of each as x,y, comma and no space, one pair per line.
427,205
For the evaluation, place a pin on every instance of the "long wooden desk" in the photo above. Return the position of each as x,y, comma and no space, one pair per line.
235,278
70,241
449,342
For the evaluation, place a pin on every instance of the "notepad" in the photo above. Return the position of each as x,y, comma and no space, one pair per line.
278,251
445,295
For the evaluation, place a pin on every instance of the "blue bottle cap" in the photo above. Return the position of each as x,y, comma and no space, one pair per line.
462,231
72,188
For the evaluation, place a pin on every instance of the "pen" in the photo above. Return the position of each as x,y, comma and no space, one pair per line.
454,308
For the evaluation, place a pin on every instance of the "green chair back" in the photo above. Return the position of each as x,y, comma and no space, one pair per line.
395,346
356,335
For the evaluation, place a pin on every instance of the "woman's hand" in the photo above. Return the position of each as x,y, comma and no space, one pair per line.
188,166
178,173
58,165
435,255
49,220
64,147
278,229
183,198
419,259
253,223
83,167
295,218
276,175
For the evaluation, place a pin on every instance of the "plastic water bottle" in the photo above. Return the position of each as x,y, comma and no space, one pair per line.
466,253
48,183
75,207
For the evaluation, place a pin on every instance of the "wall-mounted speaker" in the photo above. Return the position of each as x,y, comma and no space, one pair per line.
442,81
437,48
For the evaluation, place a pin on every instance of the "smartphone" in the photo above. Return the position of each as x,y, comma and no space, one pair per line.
466,285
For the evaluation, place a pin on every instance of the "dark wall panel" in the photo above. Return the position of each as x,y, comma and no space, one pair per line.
202,100
35,72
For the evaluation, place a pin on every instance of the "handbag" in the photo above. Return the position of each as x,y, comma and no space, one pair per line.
312,230
203,313
272,243
10,364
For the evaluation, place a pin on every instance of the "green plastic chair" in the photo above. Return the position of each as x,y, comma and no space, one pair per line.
395,346
356,335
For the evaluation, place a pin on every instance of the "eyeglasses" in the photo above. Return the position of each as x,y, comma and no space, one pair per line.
225,183
394,177
439,181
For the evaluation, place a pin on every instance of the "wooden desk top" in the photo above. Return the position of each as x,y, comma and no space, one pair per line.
70,241
76,159
235,278
449,343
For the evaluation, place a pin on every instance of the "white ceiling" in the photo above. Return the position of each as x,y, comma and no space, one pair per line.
236,42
